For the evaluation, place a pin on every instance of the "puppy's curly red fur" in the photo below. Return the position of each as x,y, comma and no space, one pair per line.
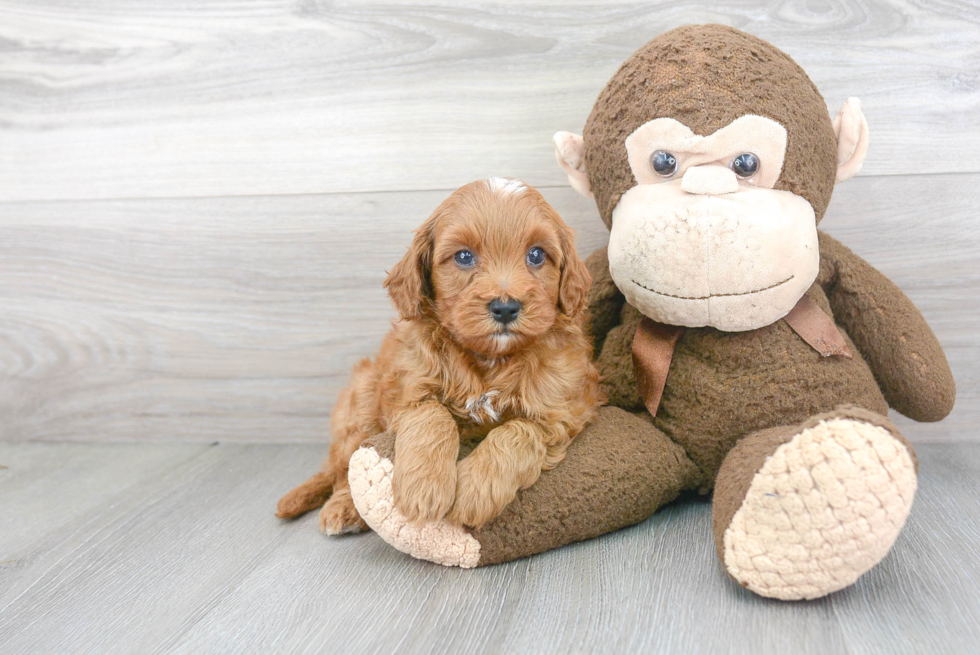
448,371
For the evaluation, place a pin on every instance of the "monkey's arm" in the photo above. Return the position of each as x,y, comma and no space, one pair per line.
892,335
612,334
604,301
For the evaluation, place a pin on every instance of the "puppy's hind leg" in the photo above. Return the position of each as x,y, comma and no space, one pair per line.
307,496
313,493
338,515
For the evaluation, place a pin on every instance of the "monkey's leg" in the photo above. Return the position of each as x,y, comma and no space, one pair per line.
617,472
802,511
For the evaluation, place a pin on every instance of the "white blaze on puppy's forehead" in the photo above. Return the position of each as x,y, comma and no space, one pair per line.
505,186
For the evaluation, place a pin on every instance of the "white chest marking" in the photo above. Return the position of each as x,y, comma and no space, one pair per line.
483,404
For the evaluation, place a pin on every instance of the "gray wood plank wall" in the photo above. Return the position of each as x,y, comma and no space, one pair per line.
198,202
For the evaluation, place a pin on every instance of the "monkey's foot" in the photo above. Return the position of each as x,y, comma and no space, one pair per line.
436,541
803,511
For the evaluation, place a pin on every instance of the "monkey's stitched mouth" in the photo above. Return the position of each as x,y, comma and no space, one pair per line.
714,295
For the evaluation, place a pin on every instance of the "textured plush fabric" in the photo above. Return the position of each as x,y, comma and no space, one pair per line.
747,457
723,385
370,476
907,360
617,472
732,261
604,301
827,501
706,76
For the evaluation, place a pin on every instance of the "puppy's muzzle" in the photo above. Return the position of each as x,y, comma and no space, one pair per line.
504,311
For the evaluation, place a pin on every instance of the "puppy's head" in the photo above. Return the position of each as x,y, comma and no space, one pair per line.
495,265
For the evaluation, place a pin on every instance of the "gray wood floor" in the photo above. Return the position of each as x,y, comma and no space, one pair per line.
173,548
198,202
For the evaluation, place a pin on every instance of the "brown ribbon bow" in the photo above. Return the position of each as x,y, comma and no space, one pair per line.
653,346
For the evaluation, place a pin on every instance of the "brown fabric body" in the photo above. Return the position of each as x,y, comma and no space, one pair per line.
603,302
383,443
749,454
908,362
706,76
617,472
653,346
724,385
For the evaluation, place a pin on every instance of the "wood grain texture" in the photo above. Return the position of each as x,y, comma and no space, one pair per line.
150,99
198,202
189,559
240,318
199,319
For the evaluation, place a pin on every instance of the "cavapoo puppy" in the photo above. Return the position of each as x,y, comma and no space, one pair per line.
491,346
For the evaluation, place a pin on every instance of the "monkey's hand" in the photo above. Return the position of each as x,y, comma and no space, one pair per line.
891,333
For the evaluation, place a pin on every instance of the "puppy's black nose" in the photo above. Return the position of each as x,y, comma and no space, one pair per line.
504,312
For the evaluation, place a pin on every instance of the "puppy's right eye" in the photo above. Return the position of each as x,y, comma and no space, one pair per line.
465,258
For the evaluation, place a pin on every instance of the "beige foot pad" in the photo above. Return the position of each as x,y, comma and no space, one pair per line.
823,509
436,541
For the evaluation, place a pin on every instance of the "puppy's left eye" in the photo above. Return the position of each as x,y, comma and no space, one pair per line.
464,258
535,256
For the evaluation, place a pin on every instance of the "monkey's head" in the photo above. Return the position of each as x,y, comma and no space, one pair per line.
711,157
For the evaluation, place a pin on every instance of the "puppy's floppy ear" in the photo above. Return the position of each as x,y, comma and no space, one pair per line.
575,277
409,283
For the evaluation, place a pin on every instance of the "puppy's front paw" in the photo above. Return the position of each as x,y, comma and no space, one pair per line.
481,494
424,492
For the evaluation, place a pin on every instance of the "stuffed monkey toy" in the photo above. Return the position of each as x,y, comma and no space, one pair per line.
743,352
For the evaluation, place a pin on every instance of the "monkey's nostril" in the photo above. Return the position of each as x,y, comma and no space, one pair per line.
504,312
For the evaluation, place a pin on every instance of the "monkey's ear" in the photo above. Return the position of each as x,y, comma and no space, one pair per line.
570,153
851,130
409,283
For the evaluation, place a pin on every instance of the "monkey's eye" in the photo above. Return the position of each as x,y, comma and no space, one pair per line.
535,256
664,163
464,258
745,165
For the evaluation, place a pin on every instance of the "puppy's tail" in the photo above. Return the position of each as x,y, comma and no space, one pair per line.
312,494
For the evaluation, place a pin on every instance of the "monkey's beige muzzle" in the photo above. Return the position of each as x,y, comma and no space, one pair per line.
735,261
